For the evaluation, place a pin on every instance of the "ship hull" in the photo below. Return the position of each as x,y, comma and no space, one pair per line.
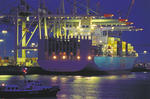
99,63
30,93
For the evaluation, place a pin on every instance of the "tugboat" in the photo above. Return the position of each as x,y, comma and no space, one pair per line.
31,89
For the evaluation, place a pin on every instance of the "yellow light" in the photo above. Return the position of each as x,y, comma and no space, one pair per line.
75,33
64,57
78,57
82,37
32,44
35,49
123,50
145,52
92,27
113,27
28,52
112,77
141,29
93,17
54,57
81,29
89,37
1,17
54,79
136,55
4,31
28,18
100,41
89,58
1,40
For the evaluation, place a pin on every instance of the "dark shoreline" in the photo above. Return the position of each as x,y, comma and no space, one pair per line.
18,70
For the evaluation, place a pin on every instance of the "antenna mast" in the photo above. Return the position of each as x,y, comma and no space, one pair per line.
62,7
88,6
74,7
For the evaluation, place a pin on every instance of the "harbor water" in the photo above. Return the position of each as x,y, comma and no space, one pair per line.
126,86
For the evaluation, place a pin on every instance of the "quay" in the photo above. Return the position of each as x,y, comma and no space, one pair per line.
18,70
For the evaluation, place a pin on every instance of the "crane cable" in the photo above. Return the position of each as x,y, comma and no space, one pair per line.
82,6
129,9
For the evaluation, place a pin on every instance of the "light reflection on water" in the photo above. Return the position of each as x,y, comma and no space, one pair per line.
133,86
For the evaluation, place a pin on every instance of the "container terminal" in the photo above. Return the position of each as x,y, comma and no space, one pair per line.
70,42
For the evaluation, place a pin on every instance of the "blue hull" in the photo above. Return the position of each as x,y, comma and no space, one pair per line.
114,63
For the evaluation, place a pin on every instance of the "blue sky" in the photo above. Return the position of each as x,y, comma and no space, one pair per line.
140,15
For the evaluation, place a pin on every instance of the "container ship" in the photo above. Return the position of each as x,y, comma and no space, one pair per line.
92,43
72,42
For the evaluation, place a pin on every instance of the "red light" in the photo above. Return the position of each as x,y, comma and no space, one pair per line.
108,15
129,23
24,71
123,20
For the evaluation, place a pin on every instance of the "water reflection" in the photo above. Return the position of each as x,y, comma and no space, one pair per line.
5,77
133,86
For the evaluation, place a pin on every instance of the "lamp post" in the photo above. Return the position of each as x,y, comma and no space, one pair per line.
1,40
4,32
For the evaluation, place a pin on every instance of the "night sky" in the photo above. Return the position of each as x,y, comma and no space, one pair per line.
139,15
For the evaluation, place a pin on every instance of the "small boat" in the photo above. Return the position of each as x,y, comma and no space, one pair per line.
31,89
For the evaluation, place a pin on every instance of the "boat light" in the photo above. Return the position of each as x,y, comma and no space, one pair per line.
3,84
89,58
54,57
24,71
78,57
